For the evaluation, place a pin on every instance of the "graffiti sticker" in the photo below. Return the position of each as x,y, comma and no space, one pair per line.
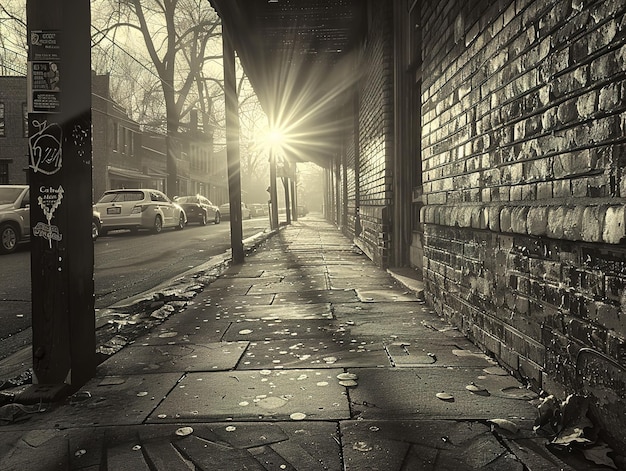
45,148
49,201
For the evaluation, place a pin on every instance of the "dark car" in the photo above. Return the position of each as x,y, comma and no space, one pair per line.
199,209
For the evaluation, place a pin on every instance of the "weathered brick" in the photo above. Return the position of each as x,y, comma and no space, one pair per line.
519,219
592,224
538,220
614,225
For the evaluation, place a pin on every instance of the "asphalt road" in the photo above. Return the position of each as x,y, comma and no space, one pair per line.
125,265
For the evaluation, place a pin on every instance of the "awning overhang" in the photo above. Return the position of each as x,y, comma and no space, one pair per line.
299,56
131,174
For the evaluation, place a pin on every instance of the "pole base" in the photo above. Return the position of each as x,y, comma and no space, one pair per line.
37,393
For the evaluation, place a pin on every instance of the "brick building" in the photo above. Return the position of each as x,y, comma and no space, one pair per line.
486,150
13,130
523,160
124,156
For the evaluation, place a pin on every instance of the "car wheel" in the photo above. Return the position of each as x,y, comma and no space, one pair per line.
203,219
95,230
218,217
158,225
181,222
9,237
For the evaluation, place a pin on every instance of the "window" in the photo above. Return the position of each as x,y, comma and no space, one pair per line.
2,130
24,120
4,172
115,138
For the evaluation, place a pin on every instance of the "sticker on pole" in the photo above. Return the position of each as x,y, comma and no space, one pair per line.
45,148
49,201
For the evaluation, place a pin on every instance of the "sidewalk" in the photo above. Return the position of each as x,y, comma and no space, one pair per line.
306,357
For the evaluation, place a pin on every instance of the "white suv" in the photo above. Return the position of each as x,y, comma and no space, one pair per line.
135,209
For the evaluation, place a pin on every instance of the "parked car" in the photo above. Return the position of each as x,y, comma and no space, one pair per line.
225,211
258,209
302,210
135,209
199,209
15,217
96,225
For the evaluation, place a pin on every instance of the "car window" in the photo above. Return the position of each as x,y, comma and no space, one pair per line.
26,199
154,196
133,196
9,195
120,196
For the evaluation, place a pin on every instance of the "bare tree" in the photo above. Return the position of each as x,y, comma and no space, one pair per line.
178,37
13,45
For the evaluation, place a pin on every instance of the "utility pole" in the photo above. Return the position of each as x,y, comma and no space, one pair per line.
59,129
232,147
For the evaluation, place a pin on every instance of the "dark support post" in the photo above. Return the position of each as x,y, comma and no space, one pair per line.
273,192
59,125
294,196
287,200
232,147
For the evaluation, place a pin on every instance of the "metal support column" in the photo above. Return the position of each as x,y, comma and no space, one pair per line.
232,147
59,125
273,192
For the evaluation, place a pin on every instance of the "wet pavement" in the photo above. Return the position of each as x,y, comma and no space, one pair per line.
306,357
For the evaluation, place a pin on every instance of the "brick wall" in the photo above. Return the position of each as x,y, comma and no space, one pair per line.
523,109
376,134
13,145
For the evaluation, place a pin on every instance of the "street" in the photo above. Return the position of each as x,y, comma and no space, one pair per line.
126,264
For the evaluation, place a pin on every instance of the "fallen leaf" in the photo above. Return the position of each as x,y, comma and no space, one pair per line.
445,396
598,454
505,425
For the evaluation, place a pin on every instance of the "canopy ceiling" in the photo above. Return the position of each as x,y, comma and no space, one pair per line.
300,58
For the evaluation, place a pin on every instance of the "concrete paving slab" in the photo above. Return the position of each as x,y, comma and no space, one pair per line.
228,304
182,332
312,353
43,455
231,286
288,286
301,445
424,445
317,296
285,312
254,395
411,393
428,352
384,295
109,400
141,359
408,323
241,281
245,270
261,329
315,272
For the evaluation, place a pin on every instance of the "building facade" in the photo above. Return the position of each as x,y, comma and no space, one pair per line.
488,153
13,131
124,156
